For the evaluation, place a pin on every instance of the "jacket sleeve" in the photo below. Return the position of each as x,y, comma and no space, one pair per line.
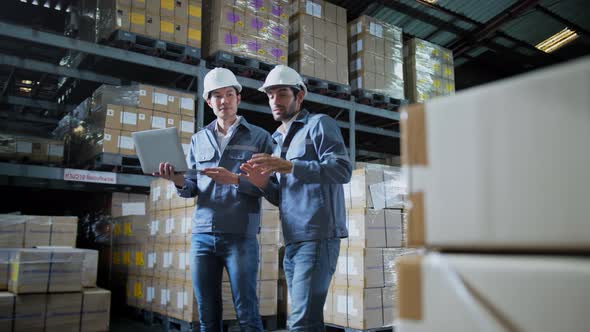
244,186
190,188
333,165
271,191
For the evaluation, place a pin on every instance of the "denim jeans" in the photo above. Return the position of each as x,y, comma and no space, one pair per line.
309,267
238,253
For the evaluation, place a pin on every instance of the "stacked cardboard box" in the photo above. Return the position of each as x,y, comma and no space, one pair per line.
30,148
362,292
318,41
126,204
177,21
255,29
429,70
151,255
376,58
106,120
508,195
27,231
48,289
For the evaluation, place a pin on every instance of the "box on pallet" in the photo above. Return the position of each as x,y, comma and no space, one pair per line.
376,62
318,44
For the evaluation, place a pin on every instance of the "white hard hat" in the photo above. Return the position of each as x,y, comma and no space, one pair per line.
219,78
283,75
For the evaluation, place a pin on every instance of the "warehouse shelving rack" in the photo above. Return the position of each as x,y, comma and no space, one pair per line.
354,117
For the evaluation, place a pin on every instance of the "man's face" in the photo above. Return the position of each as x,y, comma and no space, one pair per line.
224,102
283,103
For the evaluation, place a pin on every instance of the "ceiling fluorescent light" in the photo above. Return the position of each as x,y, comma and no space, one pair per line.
557,40
58,6
36,2
432,2
47,4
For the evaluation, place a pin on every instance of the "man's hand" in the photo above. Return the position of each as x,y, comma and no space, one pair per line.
221,175
167,172
254,175
269,164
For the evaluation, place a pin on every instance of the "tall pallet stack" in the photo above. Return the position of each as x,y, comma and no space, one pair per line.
177,21
151,255
31,149
256,29
104,122
376,57
362,293
429,70
318,41
269,241
487,181
51,288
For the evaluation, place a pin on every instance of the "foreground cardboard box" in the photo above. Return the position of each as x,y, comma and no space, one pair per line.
29,312
95,310
469,292
45,270
485,174
6,310
62,312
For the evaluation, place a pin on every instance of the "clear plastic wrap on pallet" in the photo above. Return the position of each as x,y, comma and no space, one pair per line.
28,231
27,148
95,228
256,29
376,186
318,43
100,18
46,270
389,257
376,57
429,70
370,228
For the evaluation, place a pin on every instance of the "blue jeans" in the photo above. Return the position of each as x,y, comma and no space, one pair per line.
309,267
238,253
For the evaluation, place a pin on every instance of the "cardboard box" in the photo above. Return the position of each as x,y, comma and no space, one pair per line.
161,295
268,266
144,119
503,203
138,4
37,231
389,300
366,228
187,126
126,145
394,228
152,25
328,306
5,255
7,303
172,120
365,308
167,34
267,297
365,267
167,8
191,312
158,120
340,277
187,104
110,141
360,190
161,99
95,310
138,21
63,312
152,7
12,231
180,35
108,116
180,266
469,292
340,302
29,271
178,299
181,223
129,118
181,10
63,231
29,312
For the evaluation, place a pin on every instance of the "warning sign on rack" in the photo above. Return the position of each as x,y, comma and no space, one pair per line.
89,176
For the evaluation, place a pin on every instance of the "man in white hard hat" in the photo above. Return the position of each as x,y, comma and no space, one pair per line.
310,163
227,216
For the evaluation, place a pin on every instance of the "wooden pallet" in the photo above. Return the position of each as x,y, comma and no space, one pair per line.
334,328
378,100
111,162
241,65
154,47
328,88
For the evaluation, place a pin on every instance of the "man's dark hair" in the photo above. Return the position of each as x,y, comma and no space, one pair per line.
237,92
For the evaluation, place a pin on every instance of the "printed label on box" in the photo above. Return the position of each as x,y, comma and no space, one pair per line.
187,103
160,98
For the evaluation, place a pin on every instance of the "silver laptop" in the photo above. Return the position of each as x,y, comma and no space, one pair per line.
157,146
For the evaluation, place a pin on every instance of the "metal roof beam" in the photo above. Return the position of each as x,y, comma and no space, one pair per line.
44,67
563,20
35,103
462,45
